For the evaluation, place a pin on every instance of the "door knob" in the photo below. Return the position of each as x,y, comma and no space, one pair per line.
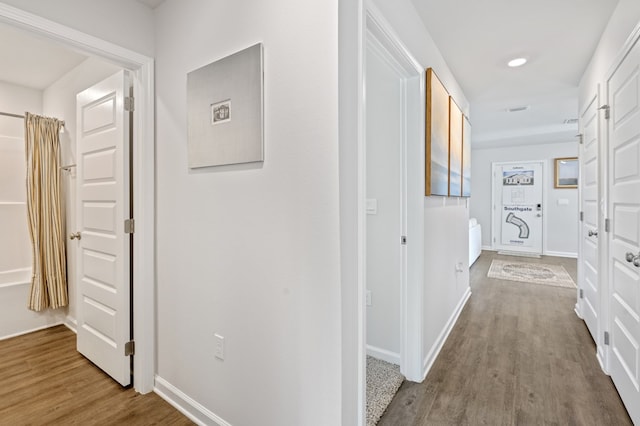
636,261
75,236
593,233
629,257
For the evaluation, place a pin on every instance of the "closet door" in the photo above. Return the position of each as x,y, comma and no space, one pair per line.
589,232
104,292
623,93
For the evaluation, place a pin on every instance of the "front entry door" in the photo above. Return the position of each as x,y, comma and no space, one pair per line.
104,293
517,209
623,94
589,283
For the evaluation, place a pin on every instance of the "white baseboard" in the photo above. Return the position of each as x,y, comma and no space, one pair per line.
383,354
444,334
31,330
576,309
195,411
561,254
600,358
72,324
488,248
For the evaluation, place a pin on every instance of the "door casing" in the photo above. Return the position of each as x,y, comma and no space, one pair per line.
143,165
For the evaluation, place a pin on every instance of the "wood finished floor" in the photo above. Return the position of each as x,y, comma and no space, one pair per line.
44,381
518,355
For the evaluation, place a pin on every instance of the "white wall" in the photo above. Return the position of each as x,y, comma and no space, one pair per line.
15,244
59,100
560,229
622,22
446,226
126,23
252,252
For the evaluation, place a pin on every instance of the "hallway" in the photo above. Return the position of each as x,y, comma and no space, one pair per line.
518,355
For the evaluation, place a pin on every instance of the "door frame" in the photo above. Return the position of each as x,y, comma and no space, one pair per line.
494,231
143,175
413,153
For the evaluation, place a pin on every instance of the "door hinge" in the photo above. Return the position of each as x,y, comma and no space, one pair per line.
130,348
607,111
606,338
129,103
581,216
129,226
403,240
581,293
607,225
580,137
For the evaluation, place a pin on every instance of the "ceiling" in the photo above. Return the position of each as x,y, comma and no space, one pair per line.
478,38
32,61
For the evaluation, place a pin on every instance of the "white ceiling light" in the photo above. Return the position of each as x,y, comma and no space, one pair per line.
517,62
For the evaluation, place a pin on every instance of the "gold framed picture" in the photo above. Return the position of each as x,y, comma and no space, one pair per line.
567,172
437,135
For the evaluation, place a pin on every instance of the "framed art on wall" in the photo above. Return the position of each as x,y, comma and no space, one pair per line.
455,149
437,137
225,110
567,172
466,158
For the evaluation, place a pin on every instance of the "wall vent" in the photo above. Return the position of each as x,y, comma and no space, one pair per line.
571,121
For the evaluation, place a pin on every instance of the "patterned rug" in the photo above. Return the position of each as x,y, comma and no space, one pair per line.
534,273
383,381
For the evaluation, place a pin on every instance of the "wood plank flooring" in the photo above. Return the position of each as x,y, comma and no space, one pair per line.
45,381
518,355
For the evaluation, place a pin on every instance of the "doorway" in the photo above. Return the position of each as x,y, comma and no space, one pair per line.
141,68
517,214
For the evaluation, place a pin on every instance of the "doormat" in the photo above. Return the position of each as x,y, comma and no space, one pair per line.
533,273
383,381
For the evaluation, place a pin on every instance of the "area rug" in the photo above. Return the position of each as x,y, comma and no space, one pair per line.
534,273
383,381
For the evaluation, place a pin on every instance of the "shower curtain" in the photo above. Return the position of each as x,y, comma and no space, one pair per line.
42,146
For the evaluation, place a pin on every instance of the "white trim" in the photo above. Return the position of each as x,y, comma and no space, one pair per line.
71,323
196,412
383,354
31,330
144,172
444,334
561,254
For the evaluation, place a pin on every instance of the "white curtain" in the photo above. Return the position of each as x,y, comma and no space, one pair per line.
42,147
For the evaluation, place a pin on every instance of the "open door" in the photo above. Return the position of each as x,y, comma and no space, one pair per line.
103,210
589,283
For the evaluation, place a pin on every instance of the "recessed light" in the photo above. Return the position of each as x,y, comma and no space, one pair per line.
517,62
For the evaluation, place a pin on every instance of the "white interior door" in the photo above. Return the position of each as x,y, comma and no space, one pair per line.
623,93
104,293
517,207
589,284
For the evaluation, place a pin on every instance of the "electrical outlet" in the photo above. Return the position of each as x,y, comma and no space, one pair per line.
219,346
368,297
